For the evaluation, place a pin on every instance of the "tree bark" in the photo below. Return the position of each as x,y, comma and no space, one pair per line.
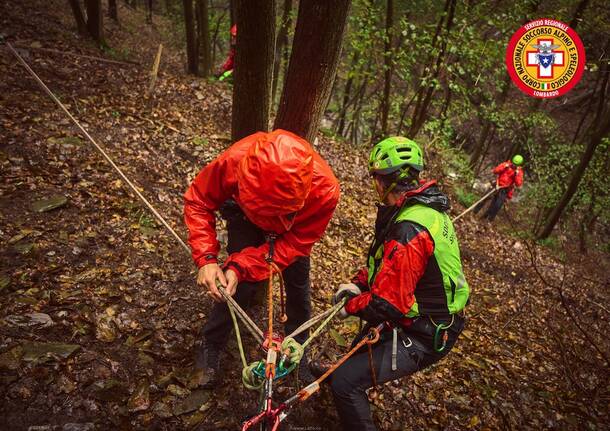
203,35
95,23
78,17
601,130
191,38
253,70
149,11
113,10
313,65
281,45
387,60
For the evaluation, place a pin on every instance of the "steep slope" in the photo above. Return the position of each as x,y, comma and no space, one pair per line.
99,308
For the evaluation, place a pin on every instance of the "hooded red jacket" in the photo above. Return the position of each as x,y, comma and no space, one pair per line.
509,176
282,185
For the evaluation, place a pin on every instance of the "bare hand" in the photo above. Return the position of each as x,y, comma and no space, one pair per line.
207,276
232,280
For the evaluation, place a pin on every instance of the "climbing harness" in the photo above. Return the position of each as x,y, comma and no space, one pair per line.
258,375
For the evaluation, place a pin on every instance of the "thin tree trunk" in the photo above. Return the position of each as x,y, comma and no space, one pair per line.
387,63
203,36
191,38
313,65
215,36
282,43
601,129
95,23
78,17
113,10
577,17
347,92
421,108
149,11
253,70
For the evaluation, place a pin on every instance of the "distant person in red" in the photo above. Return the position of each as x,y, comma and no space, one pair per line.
508,175
277,196
230,61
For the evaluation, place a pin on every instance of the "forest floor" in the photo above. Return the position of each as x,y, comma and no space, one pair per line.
98,306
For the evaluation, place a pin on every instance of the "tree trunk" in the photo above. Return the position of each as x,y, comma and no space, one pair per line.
253,70
191,38
149,11
577,17
95,23
387,64
313,64
601,130
421,108
113,10
281,45
203,35
347,92
78,17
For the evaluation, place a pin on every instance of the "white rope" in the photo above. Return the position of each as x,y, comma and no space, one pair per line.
186,248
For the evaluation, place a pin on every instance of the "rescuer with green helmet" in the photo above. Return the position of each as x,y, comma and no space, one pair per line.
413,280
508,175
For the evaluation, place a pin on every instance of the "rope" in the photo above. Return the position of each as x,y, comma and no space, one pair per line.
159,217
323,324
238,336
308,324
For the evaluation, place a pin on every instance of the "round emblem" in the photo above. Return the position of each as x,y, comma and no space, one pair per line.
545,58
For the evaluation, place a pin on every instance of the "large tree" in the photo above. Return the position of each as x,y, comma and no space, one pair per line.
313,65
253,66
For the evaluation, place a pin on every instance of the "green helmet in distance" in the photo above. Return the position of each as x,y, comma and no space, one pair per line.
393,154
517,160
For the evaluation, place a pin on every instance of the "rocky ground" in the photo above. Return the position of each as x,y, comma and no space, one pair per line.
99,309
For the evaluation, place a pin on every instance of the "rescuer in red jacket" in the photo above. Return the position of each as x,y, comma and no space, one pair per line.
230,60
269,187
413,282
508,175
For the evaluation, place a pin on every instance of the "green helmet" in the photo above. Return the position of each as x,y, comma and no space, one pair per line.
517,159
393,153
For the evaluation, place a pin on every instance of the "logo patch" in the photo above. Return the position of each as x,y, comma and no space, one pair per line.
545,58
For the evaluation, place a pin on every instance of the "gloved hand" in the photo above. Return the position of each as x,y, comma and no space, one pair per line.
295,350
346,290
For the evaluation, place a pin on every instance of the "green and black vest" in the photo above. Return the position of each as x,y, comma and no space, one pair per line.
442,289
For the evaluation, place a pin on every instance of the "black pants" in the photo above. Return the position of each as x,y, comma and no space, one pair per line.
415,352
495,206
243,233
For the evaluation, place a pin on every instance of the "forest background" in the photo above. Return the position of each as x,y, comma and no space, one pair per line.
99,312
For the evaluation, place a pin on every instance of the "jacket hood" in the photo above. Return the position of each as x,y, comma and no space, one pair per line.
427,194
274,177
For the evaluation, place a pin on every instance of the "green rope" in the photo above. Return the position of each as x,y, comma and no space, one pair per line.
249,379
238,336
320,328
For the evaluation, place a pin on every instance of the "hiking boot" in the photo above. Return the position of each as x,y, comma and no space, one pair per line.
207,365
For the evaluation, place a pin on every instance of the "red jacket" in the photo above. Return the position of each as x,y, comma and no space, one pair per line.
229,62
406,264
281,184
509,176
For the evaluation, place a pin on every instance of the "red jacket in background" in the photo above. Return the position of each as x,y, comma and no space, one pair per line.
281,184
229,62
508,176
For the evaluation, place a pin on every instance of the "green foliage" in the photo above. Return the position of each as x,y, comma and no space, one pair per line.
200,141
464,197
